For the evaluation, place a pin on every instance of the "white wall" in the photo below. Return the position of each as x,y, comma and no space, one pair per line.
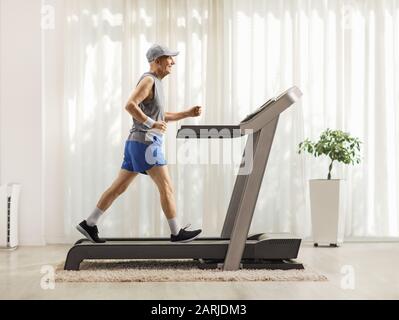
21,147
53,81
31,151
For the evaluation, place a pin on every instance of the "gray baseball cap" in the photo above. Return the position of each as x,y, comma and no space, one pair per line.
157,51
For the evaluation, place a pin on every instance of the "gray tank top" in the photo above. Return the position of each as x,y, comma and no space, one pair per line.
153,109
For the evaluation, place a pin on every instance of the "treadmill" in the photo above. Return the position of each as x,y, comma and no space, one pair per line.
234,249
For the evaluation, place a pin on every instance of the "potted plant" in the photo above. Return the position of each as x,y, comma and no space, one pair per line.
327,195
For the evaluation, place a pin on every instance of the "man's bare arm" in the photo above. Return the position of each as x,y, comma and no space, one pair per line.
139,94
176,116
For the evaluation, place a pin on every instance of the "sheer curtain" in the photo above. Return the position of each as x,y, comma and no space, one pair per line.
343,55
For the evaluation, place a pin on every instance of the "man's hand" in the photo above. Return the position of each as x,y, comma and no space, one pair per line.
161,126
195,111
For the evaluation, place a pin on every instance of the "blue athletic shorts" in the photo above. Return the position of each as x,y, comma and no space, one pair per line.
140,157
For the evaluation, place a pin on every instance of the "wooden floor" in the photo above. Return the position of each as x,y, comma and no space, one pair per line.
355,271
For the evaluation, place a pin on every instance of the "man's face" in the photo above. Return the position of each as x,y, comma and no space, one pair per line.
166,64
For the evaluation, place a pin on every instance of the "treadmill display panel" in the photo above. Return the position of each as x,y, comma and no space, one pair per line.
252,115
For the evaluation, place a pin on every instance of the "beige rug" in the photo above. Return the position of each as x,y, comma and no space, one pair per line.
172,271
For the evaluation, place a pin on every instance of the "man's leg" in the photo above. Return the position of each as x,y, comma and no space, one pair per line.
88,227
161,177
118,187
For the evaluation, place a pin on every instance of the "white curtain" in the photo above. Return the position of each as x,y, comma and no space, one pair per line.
235,54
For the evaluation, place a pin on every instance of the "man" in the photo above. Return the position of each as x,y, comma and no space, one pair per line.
143,148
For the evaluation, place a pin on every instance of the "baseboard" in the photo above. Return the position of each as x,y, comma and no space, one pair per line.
30,242
61,240
54,240
363,240
373,239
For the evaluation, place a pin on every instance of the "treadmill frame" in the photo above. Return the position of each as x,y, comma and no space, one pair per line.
262,126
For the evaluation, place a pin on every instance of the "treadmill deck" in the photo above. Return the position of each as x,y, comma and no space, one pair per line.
257,248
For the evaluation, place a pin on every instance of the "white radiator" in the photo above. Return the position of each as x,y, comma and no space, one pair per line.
9,201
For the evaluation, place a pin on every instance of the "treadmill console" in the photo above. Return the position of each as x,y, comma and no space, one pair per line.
252,115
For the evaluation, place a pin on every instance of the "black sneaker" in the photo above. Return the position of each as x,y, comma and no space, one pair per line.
90,233
185,236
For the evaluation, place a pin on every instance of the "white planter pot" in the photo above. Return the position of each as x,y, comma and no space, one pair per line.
327,208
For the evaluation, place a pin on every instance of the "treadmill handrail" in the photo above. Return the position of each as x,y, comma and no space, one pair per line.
252,123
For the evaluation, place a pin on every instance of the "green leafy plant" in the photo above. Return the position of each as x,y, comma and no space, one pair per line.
337,145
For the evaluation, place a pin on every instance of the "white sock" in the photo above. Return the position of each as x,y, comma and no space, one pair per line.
174,226
93,218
